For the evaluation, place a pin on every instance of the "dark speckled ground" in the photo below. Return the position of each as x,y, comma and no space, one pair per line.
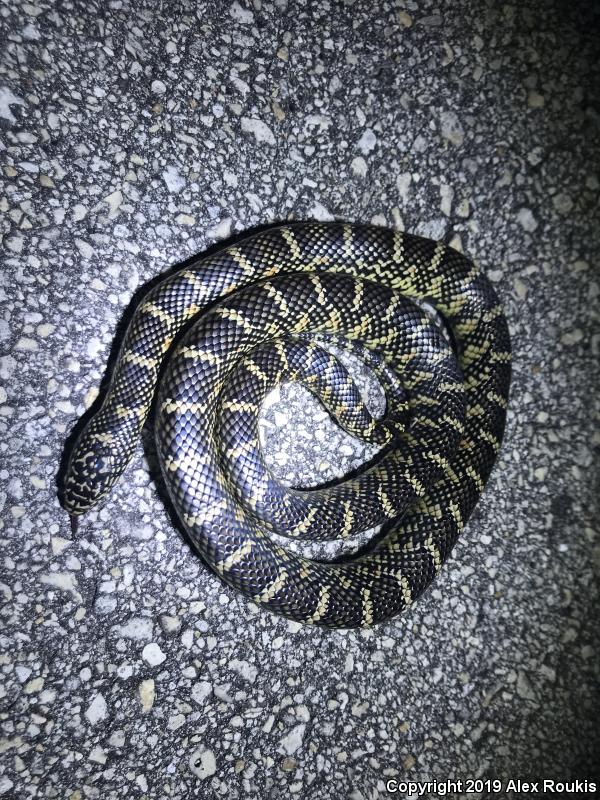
135,134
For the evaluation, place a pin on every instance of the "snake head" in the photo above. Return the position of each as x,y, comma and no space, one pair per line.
91,473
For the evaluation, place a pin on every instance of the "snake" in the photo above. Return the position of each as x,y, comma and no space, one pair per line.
209,341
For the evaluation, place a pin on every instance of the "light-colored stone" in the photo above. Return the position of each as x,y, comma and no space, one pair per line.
147,693
97,709
259,129
153,655
292,741
203,763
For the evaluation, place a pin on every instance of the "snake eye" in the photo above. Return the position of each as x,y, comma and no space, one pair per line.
95,463
102,464
99,464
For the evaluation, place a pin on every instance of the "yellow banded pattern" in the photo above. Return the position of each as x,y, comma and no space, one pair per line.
442,429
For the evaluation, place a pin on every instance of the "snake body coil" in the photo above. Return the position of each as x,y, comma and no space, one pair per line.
249,309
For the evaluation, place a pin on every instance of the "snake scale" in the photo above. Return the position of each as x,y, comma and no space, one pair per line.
244,318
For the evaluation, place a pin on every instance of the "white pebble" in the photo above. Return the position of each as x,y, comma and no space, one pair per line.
202,763
176,721
185,219
94,346
44,330
60,580
367,142
562,203
281,419
320,213
292,741
244,669
359,166
114,200
79,212
170,624
526,219
96,710
98,755
222,230
175,182
452,130
25,343
34,685
241,15
137,628
8,99
86,250
259,129
153,655
147,694
200,691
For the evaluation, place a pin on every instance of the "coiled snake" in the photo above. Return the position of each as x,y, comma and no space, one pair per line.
249,309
